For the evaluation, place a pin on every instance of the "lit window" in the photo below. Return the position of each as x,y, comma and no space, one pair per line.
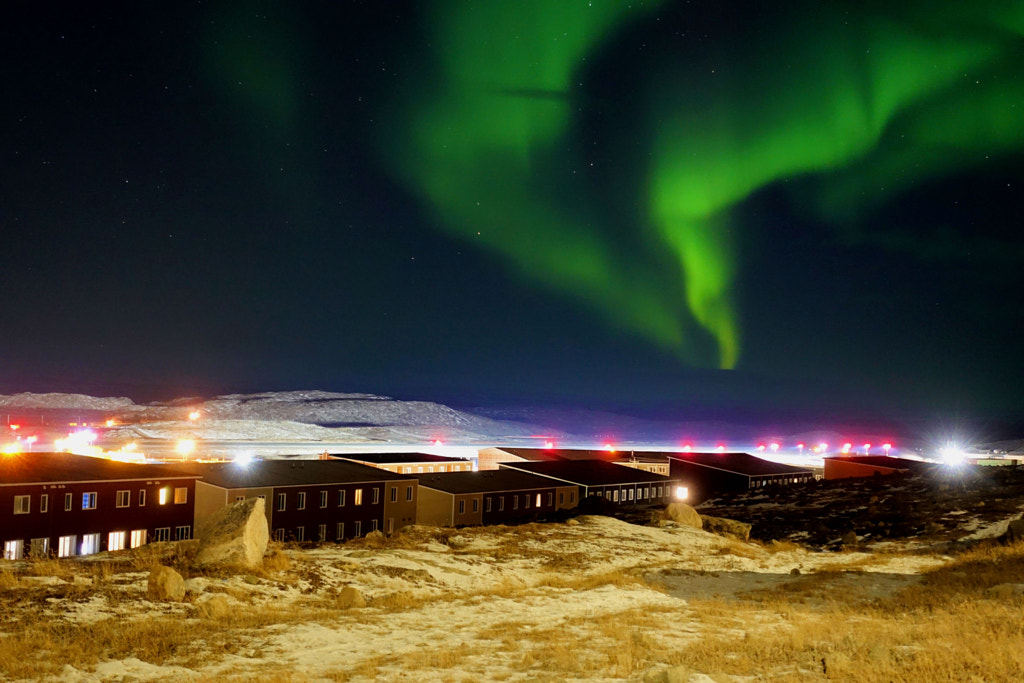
301,503
358,498
89,503
163,496
22,505
66,545
615,495
121,500
180,495
90,544
631,492
537,504
116,539
44,502
138,538
14,550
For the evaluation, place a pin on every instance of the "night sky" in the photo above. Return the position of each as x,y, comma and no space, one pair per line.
706,209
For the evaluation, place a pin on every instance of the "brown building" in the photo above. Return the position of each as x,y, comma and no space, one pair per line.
649,461
311,500
852,466
67,505
495,497
409,463
712,473
622,486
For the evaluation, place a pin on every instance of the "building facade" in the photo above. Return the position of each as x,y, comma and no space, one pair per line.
494,497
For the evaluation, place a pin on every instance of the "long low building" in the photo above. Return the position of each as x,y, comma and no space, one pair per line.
409,463
853,466
311,500
67,505
712,473
622,486
650,461
495,497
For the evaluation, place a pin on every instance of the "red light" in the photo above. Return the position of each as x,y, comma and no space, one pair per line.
800,446
721,448
15,426
760,447
846,447
608,447
774,447
437,442
549,445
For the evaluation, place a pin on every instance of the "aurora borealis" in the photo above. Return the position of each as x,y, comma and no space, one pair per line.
655,203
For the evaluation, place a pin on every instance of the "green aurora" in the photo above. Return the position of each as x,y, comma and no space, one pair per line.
853,102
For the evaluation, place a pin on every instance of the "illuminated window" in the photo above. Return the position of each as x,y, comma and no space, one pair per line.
90,544
66,545
121,500
22,505
163,495
631,492
115,540
138,538
44,502
301,503
537,504
180,495
14,550
89,503
615,495
358,498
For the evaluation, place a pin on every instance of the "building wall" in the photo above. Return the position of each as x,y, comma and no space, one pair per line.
488,458
661,468
653,493
400,512
434,507
501,507
705,482
295,523
846,469
160,521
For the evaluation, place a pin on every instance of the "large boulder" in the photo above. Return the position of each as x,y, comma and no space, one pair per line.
165,584
726,527
235,535
681,513
1014,531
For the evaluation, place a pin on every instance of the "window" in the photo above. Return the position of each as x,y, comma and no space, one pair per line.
44,502
180,495
390,526
358,526
301,503
67,505
538,500
115,539
373,525
501,503
323,500
239,499
515,502
526,500
408,492
138,538
462,507
182,533
142,498
341,498
476,505
487,504
406,470
14,550
631,491
358,498
279,535
66,545
163,495
551,499
394,494
90,544
572,497
300,533
420,468
162,534
376,495
282,499
430,468
661,492
339,531
122,500
40,547
22,505
89,502
561,497
321,532
615,495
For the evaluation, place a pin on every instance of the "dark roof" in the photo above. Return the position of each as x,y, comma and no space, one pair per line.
271,473
545,454
883,461
587,472
485,482
740,463
32,468
395,458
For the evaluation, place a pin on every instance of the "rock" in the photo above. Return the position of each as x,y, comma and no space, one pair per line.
165,584
1014,531
795,571
675,674
726,527
217,607
375,536
681,513
572,521
1006,591
349,597
236,534
850,539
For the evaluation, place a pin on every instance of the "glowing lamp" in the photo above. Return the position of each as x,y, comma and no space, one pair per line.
686,448
867,447
438,442
887,447
549,445
15,427
721,448
185,446
847,447
681,493
194,415
775,447
608,447
760,447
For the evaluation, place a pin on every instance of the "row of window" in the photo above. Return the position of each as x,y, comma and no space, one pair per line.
339,531
357,496
755,483
639,493
526,501
89,544
440,468
122,499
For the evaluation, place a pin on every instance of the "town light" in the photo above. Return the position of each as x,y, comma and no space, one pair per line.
194,415
185,447
847,447
775,447
887,447
682,492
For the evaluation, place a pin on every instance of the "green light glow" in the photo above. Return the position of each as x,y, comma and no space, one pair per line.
842,99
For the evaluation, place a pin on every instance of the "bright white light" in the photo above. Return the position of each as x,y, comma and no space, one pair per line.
185,446
682,492
194,415
952,454
775,447
12,448
244,459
